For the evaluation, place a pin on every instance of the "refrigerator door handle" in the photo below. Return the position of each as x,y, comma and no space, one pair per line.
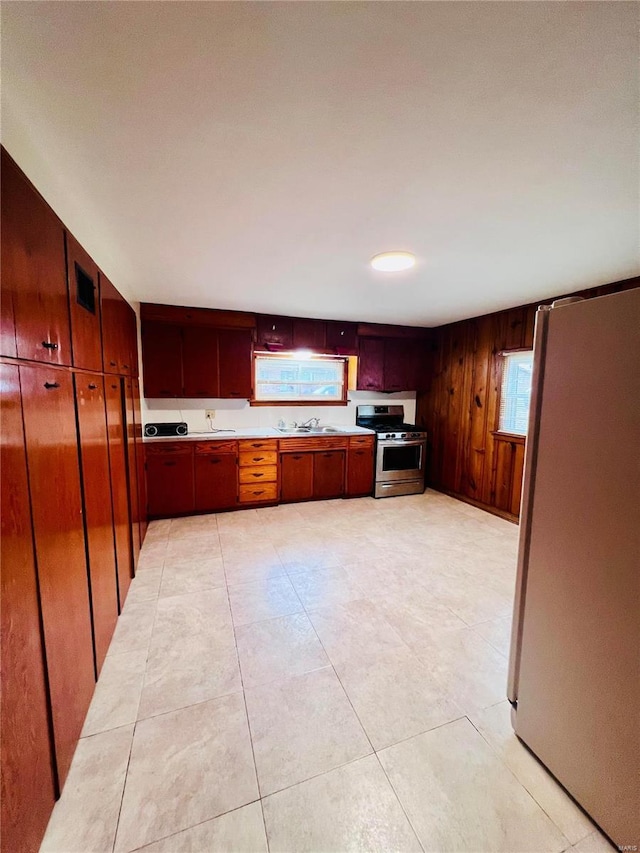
528,486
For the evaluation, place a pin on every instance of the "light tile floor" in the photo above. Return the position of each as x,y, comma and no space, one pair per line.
315,677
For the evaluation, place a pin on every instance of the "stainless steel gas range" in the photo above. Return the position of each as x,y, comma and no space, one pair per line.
400,450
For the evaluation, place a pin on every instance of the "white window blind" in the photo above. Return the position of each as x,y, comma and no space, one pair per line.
291,379
515,393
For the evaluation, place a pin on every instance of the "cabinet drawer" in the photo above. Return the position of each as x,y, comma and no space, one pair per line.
162,448
258,457
258,494
259,474
249,445
203,448
361,440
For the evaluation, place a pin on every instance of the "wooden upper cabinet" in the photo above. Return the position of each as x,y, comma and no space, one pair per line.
56,503
341,338
84,307
371,364
398,365
309,334
200,362
34,280
234,354
28,791
162,359
98,516
119,343
275,331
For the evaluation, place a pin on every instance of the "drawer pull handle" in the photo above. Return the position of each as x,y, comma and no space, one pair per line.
169,464
113,364
258,492
214,461
296,456
51,384
49,345
126,366
257,475
258,459
92,386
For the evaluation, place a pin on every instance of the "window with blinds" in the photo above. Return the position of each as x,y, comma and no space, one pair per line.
515,392
309,380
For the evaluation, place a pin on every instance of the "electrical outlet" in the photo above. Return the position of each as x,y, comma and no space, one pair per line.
209,414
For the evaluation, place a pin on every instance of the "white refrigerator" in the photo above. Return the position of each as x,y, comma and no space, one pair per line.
574,672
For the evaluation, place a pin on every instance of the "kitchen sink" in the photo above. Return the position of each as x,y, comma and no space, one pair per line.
307,430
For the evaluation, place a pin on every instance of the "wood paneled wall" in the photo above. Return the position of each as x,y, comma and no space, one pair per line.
466,457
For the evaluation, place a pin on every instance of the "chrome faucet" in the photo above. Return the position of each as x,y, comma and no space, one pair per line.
312,422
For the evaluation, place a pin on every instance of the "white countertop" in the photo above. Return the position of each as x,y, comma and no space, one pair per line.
261,432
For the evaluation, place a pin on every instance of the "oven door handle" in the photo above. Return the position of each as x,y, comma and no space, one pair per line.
394,442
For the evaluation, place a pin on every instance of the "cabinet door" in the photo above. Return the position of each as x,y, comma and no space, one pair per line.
132,468
234,354
141,478
216,481
275,331
328,474
114,394
98,514
84,307
342,338
296,476
170,483
34,271
28,791
398,364
309,334
129,364
162,360
200,362
371,364
114,328
54,483
360,471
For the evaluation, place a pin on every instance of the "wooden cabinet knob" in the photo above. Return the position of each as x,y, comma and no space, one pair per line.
49,385
49,345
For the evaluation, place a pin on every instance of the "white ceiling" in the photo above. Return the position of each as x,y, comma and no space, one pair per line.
256,155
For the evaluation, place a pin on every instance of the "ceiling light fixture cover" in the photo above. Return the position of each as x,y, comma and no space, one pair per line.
393,261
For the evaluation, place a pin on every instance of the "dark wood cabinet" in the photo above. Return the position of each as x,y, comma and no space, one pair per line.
234,355
56,503
398,367
309,334
275,332
118,330
34,281
28,789
216,476
328,474
84,307
170,479
371,364
132,466
162,357
118,464
97,506
140,476
200,362
341,338
360,467
296,476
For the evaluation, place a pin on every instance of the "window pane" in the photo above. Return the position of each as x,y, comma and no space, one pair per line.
296,379
515,393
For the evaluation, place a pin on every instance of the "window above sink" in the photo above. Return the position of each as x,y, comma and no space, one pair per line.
297,379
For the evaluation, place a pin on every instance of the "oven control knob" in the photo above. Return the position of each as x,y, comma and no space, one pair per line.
404,435
389,435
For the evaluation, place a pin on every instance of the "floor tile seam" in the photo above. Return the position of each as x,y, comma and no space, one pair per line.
401,804
124,787
215,698
524,787
268,618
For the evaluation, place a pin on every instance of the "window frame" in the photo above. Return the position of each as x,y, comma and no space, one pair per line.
496,431
292,356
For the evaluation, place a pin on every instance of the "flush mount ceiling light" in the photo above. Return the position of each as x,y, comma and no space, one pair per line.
393,261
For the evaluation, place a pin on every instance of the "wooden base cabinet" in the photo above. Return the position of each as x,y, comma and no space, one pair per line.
360,466
215,471
28,787
118,463
98,511
170,479
296,477
328,474
56,503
